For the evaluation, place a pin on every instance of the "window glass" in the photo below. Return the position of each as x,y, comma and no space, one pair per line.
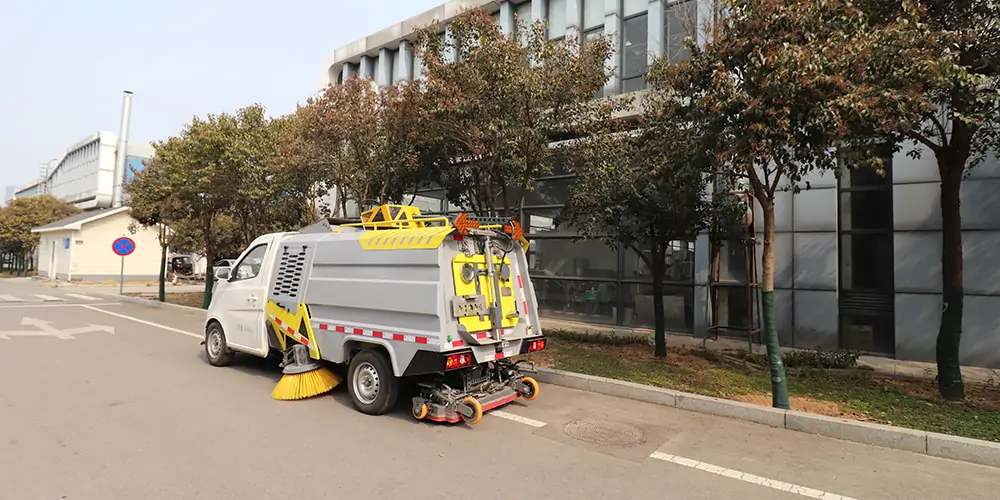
590,301
866,262
548,192
593,13
682,21
866,210
557,18
678,306
732,306
547,221
679,263
634,54
572,258
250,266
732,262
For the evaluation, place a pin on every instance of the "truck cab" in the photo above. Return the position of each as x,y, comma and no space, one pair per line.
239,299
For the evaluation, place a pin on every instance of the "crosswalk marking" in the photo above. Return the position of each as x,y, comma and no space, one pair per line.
48,297
82,297
10,298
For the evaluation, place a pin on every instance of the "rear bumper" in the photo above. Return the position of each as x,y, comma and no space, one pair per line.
427,362
441,413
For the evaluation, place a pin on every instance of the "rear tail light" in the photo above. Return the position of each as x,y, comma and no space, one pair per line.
456,361
536,345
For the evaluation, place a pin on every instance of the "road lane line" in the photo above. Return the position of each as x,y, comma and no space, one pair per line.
10,298
82,297
48,298
749,478
36,303
517,418
137,320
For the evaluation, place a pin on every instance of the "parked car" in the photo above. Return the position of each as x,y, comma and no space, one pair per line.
222,264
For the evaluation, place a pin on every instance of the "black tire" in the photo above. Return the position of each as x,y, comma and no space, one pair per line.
216,350
373,387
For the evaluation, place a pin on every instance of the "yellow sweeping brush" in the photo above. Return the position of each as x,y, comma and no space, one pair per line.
303,378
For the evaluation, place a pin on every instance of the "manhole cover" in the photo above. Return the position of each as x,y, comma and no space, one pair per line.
604,433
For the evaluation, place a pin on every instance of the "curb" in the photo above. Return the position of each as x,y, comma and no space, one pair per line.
886,436
149,303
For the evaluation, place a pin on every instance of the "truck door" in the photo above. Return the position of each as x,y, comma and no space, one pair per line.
242,299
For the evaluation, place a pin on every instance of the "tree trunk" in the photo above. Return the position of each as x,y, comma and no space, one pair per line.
779,384
210,259
660,335
163,273
950,332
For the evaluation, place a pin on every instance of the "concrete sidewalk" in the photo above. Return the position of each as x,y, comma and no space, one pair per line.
889,366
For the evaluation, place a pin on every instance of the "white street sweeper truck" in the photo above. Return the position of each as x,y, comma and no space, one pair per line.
444,302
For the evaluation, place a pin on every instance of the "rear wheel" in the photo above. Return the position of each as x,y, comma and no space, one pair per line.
215,346
477,410
371,383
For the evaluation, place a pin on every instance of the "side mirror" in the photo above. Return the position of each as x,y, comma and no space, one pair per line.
223,274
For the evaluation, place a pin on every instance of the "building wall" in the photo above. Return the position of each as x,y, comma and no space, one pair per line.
85,174
810,260
52,247
93,259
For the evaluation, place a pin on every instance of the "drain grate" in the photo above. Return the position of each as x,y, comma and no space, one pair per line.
603,432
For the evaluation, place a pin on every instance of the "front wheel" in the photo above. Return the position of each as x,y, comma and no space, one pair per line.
372,385
215,346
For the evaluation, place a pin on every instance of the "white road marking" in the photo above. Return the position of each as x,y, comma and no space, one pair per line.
38,304
81,297
48,297
749,478
137,320
10,298
517,418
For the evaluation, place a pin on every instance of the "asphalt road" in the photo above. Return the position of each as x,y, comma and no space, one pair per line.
103,400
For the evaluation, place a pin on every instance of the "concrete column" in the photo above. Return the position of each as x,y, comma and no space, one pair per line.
406,59
613,29
539,10
367,67
574,18
656,29
347,71
507,17
383,74
451,53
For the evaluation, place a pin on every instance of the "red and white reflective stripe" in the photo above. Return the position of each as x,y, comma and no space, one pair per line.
499,355
458,343
398,337
291,331
524,303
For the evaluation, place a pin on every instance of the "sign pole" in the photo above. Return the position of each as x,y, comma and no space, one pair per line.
122,247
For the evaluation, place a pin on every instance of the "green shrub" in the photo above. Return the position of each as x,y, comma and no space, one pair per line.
604,338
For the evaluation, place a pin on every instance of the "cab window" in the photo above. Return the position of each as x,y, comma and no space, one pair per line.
250,266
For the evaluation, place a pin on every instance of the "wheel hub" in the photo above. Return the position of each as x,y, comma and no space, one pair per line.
215,343
366,383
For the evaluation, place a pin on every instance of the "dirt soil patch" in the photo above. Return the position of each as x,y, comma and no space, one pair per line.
806,404
190,299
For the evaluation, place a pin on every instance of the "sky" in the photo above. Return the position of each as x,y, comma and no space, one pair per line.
64,64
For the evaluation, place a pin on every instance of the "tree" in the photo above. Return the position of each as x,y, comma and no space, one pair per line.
153,204
493,109
647,190
926,73
362,139
22,215
194,170
767,91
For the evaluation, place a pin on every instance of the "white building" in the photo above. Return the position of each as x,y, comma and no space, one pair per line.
79,248
84,175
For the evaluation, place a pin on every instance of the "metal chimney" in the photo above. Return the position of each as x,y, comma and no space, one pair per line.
121,152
